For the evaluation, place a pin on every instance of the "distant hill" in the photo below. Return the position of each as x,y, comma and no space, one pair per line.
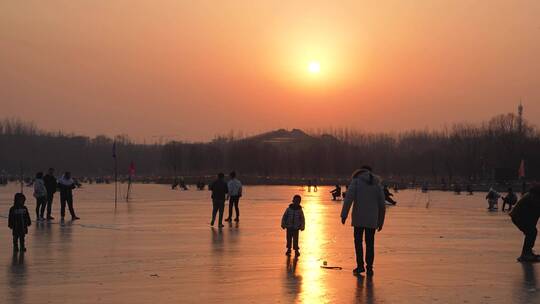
464,152
295,136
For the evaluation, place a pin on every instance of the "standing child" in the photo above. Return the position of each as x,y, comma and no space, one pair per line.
18,222
293,220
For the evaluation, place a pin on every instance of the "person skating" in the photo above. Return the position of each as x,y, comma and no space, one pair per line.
219,191
293,220
510,199
388,195
234,187
525,216
493,199
18,222
336,192
40,193
366,197
66,186
51,184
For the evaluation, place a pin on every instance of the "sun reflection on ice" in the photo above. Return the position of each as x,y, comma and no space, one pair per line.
311,240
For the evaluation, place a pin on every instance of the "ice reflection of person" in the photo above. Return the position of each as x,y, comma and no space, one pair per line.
366,197
365,293
17,278
525,216
294,281
336,192
528,284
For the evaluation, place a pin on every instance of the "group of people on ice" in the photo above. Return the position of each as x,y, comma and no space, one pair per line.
221,191
45,186
493,197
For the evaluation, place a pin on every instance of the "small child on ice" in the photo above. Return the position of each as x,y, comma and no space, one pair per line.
18,222
293,220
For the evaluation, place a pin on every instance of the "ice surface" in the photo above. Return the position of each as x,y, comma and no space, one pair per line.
159,248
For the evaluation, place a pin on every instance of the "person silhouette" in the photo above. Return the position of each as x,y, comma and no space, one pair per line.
219,190
366,197
234,187
336,192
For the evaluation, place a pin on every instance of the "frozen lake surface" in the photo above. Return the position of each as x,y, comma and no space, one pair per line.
159,248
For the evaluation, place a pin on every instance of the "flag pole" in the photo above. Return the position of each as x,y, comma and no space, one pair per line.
22,177
115,175
115,182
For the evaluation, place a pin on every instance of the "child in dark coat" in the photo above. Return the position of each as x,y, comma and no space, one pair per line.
293,220
18,222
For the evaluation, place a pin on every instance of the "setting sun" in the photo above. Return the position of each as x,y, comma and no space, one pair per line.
314,67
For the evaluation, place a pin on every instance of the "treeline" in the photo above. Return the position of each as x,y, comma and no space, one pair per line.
461,152
23,147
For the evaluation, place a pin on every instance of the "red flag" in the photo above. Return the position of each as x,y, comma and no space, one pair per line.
132,169
521,171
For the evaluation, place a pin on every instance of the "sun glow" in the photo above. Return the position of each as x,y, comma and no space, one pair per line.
314,67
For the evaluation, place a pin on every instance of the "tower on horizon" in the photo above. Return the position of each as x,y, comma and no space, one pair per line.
520,117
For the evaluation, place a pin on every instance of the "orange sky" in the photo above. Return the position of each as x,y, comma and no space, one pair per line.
191,69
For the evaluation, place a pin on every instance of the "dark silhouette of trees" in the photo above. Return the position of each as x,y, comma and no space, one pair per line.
461,152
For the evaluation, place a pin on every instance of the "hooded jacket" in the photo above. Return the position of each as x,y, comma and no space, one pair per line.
19,220
293,218
39,188
66,186
365,196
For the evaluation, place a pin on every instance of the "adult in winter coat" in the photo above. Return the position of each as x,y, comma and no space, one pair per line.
18,221
51,184
40,193
525,216
293,220
219,191
66,186
493,199
234,187
366,197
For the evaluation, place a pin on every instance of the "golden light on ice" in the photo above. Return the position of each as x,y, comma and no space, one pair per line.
314,67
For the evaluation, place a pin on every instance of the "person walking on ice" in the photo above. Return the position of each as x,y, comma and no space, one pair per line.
366,197
219,190
234,187
40,193
51,184
493,199
525,216
510,199
18,222
66,185
293,220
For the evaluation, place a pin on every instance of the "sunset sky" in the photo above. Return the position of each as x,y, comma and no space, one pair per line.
191,69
